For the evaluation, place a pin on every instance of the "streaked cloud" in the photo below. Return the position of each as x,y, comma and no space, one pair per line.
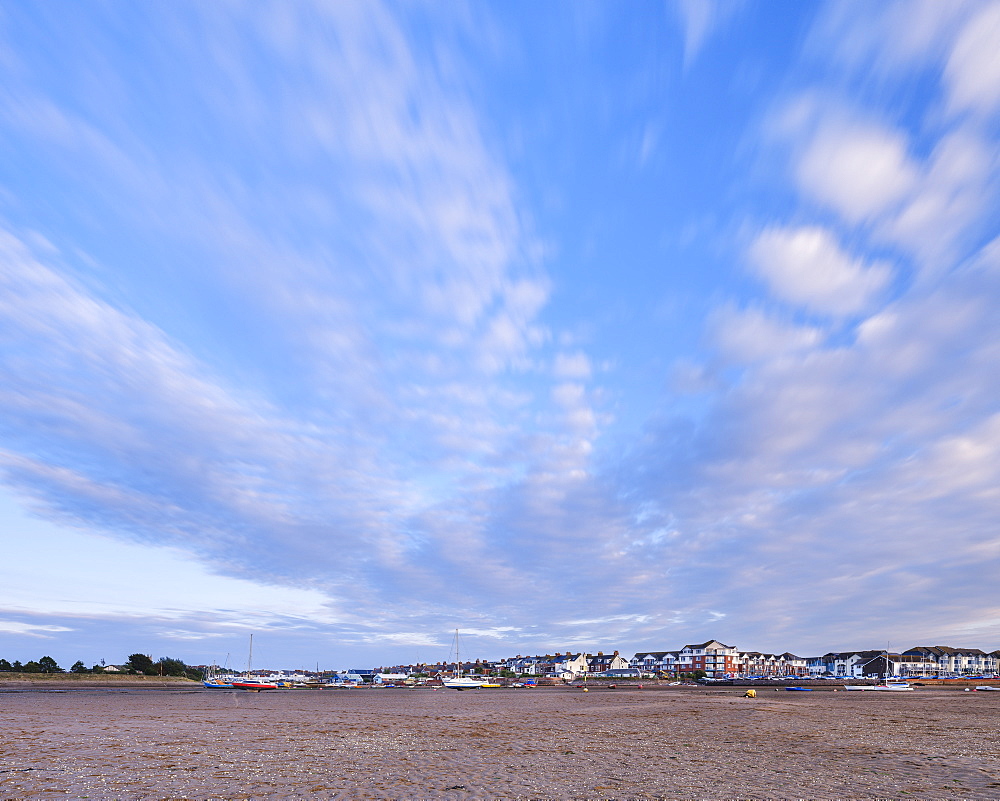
749,335
807,266
972,71
700,20
28,629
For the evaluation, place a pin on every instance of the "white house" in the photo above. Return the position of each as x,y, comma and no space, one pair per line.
569,666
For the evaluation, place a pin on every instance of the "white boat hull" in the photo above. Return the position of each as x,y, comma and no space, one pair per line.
463,683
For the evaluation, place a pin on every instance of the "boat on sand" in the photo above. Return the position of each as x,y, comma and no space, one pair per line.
887,686
248,682
460,682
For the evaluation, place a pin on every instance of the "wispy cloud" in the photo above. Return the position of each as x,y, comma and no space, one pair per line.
29,629
700,20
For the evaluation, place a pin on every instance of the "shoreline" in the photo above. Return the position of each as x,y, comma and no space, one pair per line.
52,680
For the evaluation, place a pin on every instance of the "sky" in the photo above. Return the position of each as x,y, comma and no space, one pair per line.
571,326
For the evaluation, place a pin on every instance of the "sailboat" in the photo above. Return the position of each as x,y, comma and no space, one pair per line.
213,681
885,685
895,686
460,682
248,682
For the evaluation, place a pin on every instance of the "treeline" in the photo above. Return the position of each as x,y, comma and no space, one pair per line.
137,665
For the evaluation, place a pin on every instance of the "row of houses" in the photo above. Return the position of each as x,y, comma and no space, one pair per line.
924,660
717,660
558,665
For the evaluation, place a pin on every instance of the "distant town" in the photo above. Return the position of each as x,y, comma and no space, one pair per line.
716,660
711,661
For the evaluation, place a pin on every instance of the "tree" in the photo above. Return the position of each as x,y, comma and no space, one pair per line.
171,667
17,667
5,665
31,667
98,668
140,663
79,667
49,665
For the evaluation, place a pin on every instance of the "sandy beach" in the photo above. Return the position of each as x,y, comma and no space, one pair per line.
559,743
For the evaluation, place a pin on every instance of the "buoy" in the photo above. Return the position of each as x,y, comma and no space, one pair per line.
750,694
586,690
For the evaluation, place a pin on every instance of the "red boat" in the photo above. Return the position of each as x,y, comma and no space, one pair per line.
254,686
247,682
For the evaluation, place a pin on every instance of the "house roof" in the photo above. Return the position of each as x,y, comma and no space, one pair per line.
710,642
656,654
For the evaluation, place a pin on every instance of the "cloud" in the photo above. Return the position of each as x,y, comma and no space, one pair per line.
750,335
572,365
862,171
29,629
949,202
807,266
934,206
700,19
893,39
972,72
308,356
863,470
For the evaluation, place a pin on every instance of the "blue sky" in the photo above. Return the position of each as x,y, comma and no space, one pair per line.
569,325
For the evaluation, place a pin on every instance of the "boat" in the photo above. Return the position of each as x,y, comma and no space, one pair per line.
463,683
987,688
893,687
254,686
887,686
248,682
799,689
460,682
213,681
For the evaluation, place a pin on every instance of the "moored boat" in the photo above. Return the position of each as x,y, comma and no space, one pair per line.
463,683
248,682
460,682
888,686
254,686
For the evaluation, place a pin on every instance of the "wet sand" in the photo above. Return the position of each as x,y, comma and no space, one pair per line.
559,743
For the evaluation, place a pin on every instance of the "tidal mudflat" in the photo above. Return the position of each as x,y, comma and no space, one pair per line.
559,743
